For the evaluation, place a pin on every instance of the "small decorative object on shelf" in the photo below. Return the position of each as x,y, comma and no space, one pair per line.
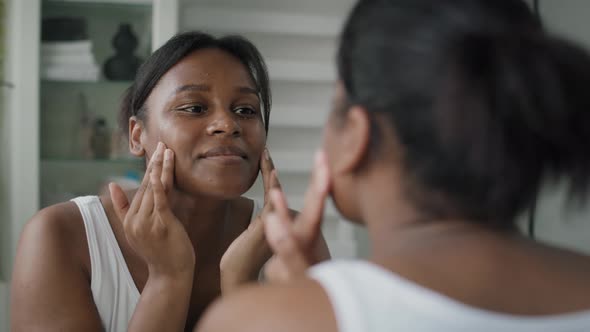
66,50
124,64
63,29
100,142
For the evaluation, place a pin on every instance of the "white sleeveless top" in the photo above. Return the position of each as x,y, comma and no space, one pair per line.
113,289
366,297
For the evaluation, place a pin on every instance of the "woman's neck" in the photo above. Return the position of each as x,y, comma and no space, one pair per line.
204,218
396,228
394,224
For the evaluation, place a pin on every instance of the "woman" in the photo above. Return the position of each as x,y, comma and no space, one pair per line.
448,116
198,111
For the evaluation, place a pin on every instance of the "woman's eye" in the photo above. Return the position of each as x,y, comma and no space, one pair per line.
245,111
196,109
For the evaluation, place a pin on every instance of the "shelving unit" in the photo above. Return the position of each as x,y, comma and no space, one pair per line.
36,108
103,18
70,109
26,110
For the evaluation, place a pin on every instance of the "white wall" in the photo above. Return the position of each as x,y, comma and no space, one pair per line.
568,17
558,222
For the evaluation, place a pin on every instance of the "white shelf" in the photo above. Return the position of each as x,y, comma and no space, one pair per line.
298,116
226,20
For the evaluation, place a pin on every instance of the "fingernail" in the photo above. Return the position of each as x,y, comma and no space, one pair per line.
322,172
168,155
321,182
317,158
160,146
275,194
266,154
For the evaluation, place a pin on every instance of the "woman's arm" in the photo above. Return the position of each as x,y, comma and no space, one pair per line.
50,287
158,237
51,284
163,304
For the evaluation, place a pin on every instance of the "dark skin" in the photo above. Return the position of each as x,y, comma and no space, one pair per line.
502,272
207,116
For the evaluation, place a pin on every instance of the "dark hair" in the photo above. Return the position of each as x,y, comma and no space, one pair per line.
178,47
484,103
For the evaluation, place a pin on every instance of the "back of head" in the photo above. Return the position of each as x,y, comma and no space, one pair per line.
485,104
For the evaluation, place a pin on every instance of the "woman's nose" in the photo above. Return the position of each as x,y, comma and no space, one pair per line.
224,124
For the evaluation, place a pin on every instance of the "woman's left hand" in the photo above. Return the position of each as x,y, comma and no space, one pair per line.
297,241
246,255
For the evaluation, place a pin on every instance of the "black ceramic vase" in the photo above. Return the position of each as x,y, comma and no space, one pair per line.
124,64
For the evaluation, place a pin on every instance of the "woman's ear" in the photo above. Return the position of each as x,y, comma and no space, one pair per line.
354,140
135,135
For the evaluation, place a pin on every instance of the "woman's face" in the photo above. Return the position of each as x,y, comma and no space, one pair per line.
207,110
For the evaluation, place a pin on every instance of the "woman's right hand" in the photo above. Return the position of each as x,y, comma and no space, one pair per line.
151,228
158,237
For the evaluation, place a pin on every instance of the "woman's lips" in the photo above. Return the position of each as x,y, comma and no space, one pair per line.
225,155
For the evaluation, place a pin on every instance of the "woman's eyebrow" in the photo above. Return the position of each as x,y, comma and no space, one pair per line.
248,90
196,87
207,88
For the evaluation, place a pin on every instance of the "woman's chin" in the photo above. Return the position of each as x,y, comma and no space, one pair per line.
217,188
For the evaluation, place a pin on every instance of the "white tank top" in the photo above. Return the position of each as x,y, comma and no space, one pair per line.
113,290
366,297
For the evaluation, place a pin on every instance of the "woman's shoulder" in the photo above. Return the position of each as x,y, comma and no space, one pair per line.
61,219
308,305
51,271
56,229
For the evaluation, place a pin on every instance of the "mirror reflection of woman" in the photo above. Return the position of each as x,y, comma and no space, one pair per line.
198,112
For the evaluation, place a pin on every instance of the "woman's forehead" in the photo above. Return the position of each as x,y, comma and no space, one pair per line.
210,66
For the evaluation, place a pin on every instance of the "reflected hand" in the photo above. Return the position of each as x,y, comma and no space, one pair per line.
297,242
150,227
247,254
